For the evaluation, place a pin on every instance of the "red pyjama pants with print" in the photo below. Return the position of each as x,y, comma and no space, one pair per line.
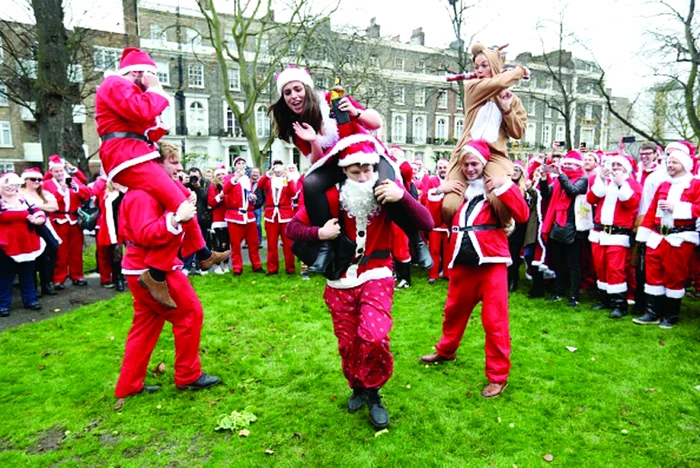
468,286
361,322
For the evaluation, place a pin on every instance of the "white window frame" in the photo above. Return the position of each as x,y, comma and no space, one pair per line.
114,56
399,94
192,68
588,112
420,66
373,61
584,133
396,136
163,71
234,79
445,127
458,129
442,100
532,107
30,67
419,97
4,100
192,126
7,167
547,135
399,63
560,133
262,121
5,129
157,32
321,82
420,137
459,104
547,111
531,133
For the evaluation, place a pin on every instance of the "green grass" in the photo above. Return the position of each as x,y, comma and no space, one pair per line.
271,341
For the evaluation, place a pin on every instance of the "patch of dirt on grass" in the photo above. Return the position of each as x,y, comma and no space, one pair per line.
132,452
109,439
49,440
72,461
5,444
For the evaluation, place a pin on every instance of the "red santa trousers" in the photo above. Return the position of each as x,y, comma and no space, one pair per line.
104,263
611,263
399,248
439,242
69,258
249,232
274,231
361,322
468,286
667,269
149,318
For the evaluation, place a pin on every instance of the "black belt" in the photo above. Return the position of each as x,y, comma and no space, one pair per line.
612,229
376,255
665,230
133,136
241,211
479,227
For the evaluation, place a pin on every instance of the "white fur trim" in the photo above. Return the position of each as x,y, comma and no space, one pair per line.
30,256
625,192
349,141
684,158
503,188
290,74
607,209
683,210
614,239
654,290
675,293
676,146
434,197
109,217
623,161
219,225
132,162
487,124
572,161
643,234
137,68
168,224
467,149
594,236
368,275
602,285
599,188
359,158
617,288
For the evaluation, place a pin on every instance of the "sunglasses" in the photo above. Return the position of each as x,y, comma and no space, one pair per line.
33,179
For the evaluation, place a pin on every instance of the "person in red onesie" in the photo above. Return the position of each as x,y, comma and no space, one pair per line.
438,240
128,108
478,267
669,231
360,300
241,219
148,229
616,194
215,202
70,194
279,192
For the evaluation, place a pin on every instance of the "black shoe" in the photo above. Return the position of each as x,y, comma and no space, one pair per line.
618,302
554,298
108,285
59,286
48,290
572,302
512,286
4,312
273,273
647,319
420,253
323,258
534,294
120,285
356,401
32,306
260,270
378,415
432,281
666,324
149,389
671,313
204,381
603,302
80,282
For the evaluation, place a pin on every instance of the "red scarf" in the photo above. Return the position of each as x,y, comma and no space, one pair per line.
557,212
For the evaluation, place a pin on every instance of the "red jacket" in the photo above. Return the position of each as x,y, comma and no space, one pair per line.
433,202
17,239
239,208
614,206
215,201
68,201
278,199
121,106
491,245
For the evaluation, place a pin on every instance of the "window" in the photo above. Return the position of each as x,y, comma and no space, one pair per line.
264,45
547,111
531,107
195,75
588,137
320,82
458,101
399,94
3,96
106,58
531,133
442,99
441,129
420,97
28,68
548,82
5,134
75,73
559,133
7,167
459,128
589,112
231,125
228,39
420,66
373,61
547,135
419,129
193,37
196,119
163,72
262,122
234,79
398,63
398,129
157,32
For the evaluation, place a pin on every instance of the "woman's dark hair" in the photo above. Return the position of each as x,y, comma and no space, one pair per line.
283,117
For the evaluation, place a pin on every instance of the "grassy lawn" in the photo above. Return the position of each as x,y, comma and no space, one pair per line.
626,397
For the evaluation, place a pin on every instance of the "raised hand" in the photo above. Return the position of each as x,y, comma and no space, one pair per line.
304,131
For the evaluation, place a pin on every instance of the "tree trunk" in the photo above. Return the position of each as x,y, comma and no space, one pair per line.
55,94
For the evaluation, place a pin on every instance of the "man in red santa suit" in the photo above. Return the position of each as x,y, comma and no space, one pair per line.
109,250
241,219
70,194
669,231
128,108
438,240
420,175
148,229
360,300
616,194
480,257
215,201
400,249
279,192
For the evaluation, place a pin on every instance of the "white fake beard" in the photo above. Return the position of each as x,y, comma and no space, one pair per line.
474,188
277,182
357,198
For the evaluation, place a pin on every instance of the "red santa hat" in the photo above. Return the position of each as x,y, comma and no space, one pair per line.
293,73
55,161
624,160
520,164
684,146
9,178
239,158
221,169
134,59
32,172
397,152
359,148
683,157
572,157
478,148
595,156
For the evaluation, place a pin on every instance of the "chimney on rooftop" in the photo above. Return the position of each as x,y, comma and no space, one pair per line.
418,37
373,30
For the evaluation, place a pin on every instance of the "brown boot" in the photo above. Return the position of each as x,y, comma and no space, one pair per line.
158,289
435,358
216,257
493,389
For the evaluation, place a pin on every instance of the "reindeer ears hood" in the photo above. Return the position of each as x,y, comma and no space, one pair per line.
495,55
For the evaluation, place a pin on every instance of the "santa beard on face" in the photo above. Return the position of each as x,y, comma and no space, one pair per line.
357,198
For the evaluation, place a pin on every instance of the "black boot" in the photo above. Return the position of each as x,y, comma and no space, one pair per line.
537,283
652,313
403,275
324,257
356,401
117,275
671,313
603,301
420,252
378,415
618,304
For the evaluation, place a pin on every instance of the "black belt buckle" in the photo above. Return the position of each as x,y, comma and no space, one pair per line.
455,228
665,230
608,229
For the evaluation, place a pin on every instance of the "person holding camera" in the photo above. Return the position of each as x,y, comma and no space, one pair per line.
70,194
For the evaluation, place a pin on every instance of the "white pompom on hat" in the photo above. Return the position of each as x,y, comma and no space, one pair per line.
221,169
293,73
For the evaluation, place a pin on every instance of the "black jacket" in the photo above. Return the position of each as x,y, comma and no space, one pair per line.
567,234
